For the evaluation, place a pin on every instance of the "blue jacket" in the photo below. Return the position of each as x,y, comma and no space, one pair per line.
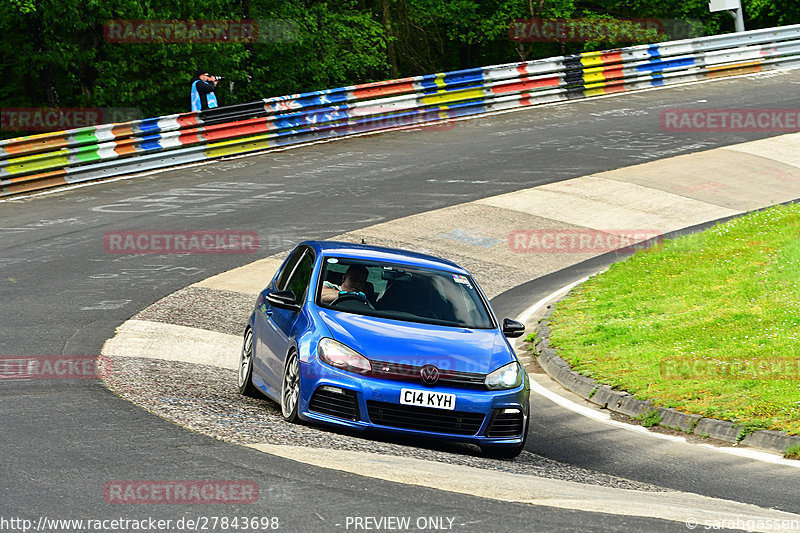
203,95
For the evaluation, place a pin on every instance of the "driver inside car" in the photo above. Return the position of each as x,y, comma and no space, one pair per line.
353,283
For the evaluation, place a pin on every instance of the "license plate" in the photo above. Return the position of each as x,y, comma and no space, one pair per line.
427,398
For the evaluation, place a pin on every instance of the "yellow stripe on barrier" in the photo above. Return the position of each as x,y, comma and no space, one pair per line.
452,96
735,70
28,163
591,59
594,92
595,76
754,63
439,80
238,146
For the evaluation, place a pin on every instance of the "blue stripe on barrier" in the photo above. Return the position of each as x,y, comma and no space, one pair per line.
473,75
149,125
150,142
295,120
428,81
327,98
454,109
654,51
667,64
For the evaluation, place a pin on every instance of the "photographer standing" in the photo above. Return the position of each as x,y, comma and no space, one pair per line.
203,91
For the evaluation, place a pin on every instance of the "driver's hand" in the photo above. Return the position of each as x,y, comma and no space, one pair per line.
360,295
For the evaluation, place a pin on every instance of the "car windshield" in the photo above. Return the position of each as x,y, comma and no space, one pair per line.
412,294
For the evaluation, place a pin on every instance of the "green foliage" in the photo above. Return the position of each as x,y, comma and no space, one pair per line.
57,55
793,452
750,427
650,418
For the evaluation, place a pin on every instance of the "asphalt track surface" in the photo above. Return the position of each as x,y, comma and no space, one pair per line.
62,293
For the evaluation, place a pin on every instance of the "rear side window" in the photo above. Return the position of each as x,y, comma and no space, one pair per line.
288,268
300,278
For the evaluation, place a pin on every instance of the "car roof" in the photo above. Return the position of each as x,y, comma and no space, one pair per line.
383,254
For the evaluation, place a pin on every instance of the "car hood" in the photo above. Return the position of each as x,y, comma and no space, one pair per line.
410,343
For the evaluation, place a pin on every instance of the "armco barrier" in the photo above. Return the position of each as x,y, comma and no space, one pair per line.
59,158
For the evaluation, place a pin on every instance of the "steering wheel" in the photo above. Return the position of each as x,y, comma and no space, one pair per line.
348,297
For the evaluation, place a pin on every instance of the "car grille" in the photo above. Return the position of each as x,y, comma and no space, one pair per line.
386,370
424,418
343,404
505,424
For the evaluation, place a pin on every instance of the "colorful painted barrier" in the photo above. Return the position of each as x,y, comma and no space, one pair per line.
52,159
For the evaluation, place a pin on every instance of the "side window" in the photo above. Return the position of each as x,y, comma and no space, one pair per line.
288,268
298,282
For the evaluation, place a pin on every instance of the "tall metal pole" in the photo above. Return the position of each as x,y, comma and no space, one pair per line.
737,13
734,7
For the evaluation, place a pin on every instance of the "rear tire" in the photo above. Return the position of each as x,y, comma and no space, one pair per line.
290,388
245,374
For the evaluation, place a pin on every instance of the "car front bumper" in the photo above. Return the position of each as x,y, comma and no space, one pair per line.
480,416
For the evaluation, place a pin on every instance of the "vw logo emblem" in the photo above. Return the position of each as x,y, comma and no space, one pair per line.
429,374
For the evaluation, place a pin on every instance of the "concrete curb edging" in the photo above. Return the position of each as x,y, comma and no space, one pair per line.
623,403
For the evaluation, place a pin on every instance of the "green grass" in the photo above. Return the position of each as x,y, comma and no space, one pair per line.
793,452
708,323
650,418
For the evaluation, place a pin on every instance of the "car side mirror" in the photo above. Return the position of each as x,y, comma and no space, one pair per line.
512,328
283,300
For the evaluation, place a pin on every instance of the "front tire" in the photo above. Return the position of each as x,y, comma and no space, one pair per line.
290,388
245,374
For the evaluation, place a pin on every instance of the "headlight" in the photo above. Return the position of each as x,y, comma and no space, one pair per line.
505,377
340,356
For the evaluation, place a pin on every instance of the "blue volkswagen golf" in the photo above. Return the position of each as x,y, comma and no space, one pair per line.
366,337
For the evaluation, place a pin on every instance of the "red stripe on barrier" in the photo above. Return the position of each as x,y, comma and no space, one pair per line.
238,129
122,131
34,182
125,147
394,88
36,145
526,83
614,72
184,121
191,137
615,88
611,57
